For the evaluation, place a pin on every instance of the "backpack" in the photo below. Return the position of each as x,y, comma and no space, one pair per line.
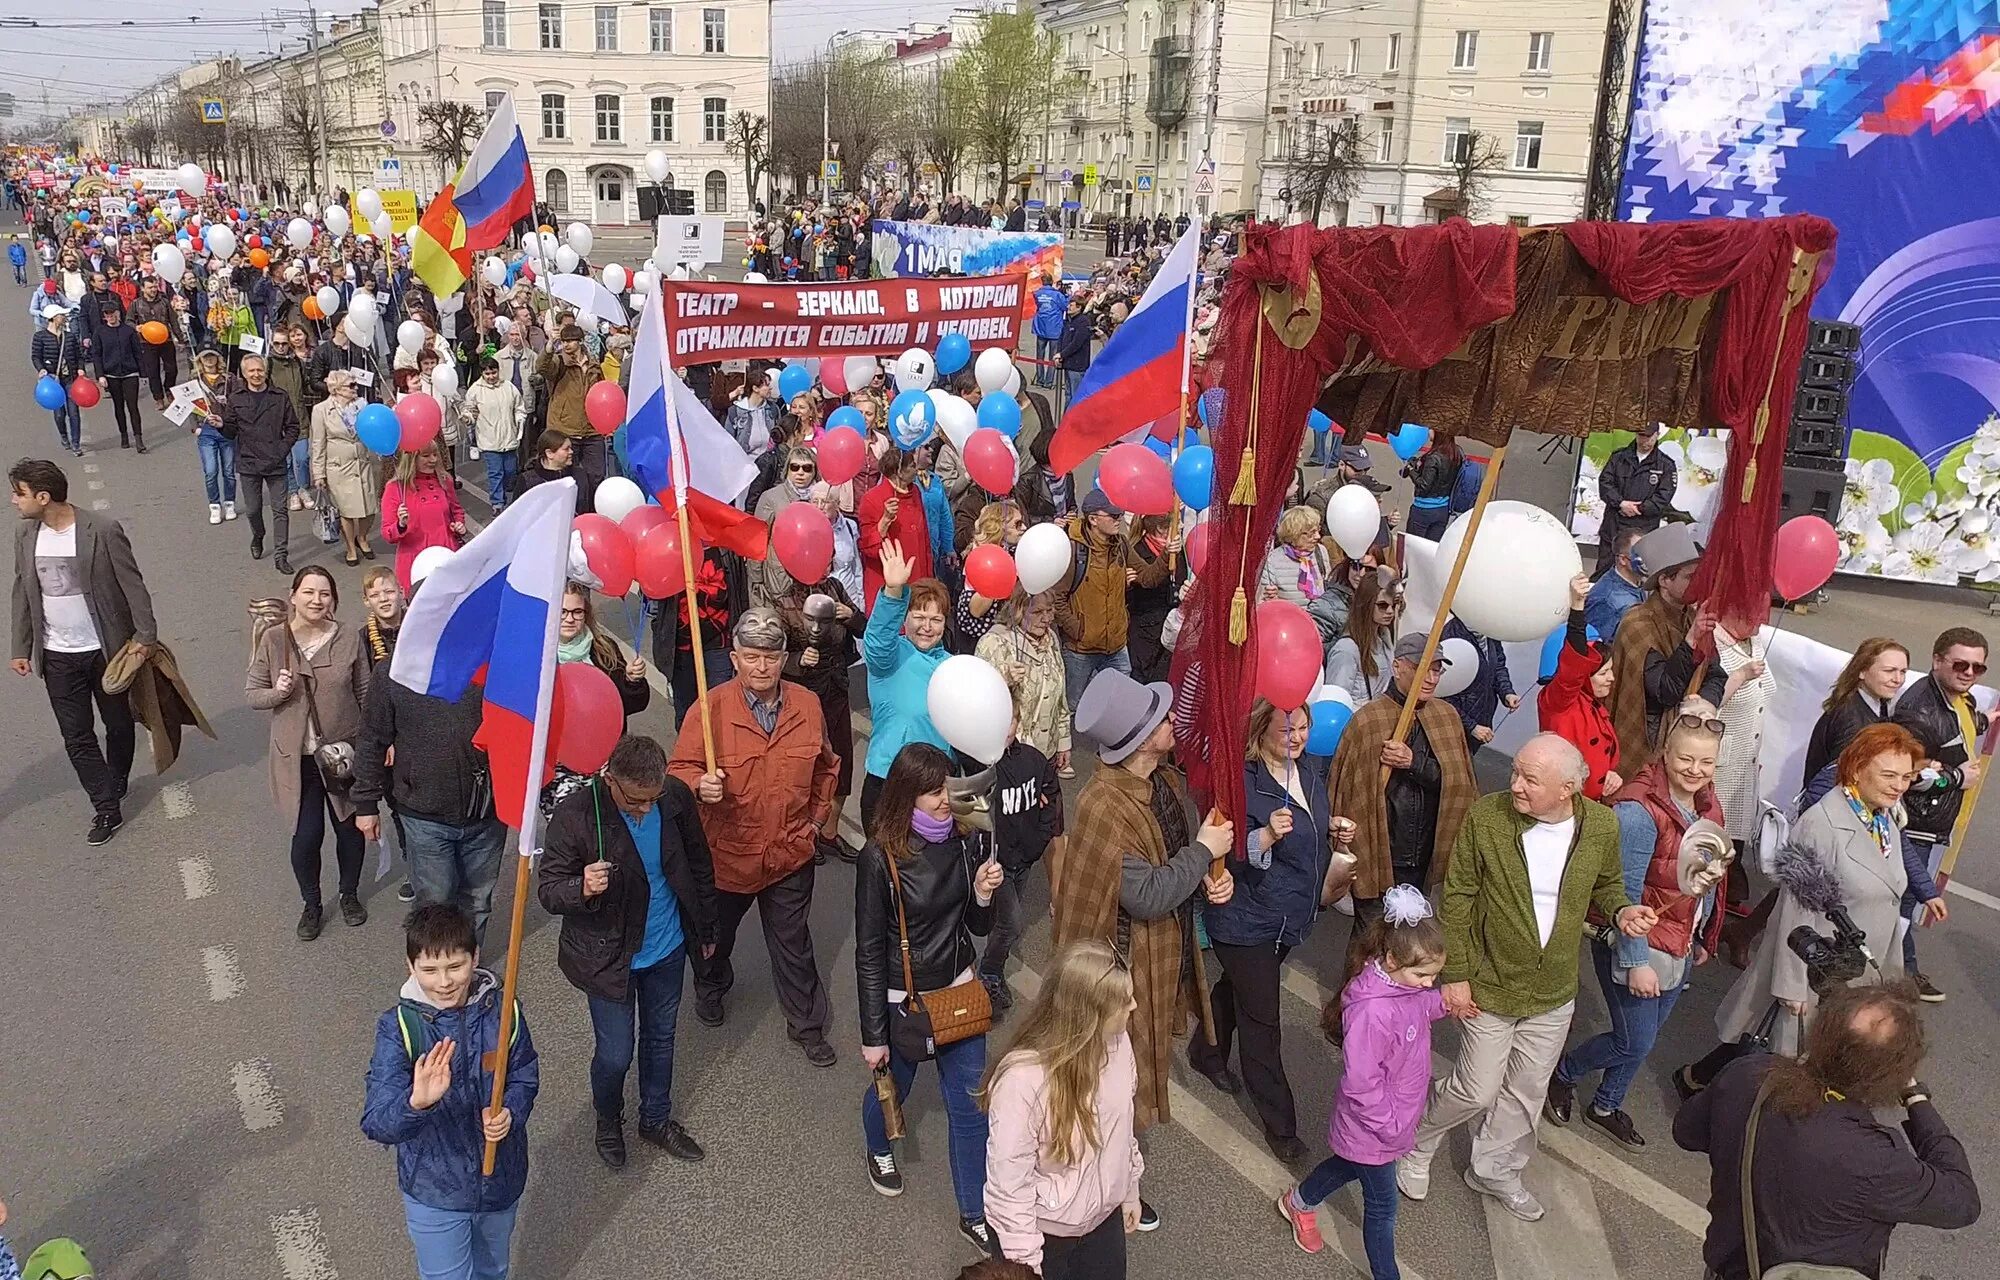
1465,489
417,1037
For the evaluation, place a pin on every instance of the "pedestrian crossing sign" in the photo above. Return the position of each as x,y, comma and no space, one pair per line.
831,171
213,112
1145,182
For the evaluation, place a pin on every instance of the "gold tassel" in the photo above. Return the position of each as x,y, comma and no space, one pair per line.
1244,492
1749,479
1239,617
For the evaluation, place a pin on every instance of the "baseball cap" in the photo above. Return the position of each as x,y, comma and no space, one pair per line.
1411,649
1098,503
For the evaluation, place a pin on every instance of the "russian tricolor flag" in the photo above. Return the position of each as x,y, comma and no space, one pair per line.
493,608
1141,375
478,209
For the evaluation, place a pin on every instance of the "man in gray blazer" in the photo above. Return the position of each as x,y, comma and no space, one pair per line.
78,598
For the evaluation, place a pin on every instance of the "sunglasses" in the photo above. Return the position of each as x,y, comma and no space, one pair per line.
804,469
1969,668
1699,722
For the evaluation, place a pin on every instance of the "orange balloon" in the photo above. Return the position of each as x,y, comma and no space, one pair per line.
154,332
311,307
259,259
545,229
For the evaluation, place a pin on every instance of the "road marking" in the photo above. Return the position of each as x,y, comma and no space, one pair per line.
100,504
177,798
256,1097
90,468
1971,894
93,484
1568,1244
301,1245
197,878
225,978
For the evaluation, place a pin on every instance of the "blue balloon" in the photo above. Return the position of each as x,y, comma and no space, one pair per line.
953,351
793,380
912,420
1194,476
83,215
49,393
1328,722
377,427
1552,649
1409,440
1160,448
848,416
1319,422
999,412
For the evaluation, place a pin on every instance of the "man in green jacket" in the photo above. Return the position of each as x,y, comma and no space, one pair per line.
1526,867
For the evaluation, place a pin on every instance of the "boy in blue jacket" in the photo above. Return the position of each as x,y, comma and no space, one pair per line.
428,1086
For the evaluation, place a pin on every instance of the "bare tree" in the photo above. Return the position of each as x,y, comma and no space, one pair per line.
796,102
144,139
449,131
302,134
1610,127
945,112
867,97
184,135
1324,167
1472,168
1012,63
748,135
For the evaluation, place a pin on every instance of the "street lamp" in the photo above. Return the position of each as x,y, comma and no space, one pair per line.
826,121
1124,121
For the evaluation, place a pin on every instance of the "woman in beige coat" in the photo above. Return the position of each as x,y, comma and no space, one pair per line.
344,466
312,675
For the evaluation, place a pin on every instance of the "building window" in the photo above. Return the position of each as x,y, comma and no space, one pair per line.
1457,139
1465,54
1354,57
1541,44
1381,215
1394,58
609,127
1318,57
1385,142
550,18
660,30
555,184
1517,219
714,118
494,97
555,117
493,23
607,28
1528,144
715,192
663,120
714,31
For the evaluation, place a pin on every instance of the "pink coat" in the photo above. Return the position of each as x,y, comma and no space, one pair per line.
1386,1046
433,506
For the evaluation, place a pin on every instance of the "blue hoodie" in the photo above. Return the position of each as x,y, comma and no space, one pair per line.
438,1152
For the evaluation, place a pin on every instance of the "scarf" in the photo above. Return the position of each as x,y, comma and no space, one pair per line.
800,494
577,650
1877,821
931,830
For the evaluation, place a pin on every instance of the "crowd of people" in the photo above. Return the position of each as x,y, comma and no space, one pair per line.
1619,837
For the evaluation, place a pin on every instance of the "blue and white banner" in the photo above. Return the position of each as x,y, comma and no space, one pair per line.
932,249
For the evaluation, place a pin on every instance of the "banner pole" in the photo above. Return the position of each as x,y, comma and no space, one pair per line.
694,635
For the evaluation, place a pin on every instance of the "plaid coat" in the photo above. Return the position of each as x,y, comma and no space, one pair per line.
1355,784
1114,816
1649,627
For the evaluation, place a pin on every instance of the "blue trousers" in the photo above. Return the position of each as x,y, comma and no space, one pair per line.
653,1001
1078,668
459,1245
69,425
298,468
959,1068
218,466
455,863
1324,449
1378,1206
501,467
1621,1051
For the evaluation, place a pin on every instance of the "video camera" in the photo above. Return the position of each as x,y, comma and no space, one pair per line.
1830,962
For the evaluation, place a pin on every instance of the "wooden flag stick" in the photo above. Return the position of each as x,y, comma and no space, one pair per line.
512,973
694,635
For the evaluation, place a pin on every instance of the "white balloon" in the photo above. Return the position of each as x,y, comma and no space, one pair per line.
310,208
494,271
503,325
615,277
992,368
410,336
957,419
1463,666
657,165
444,381
551,244
1516,581
1330,693
337,220
1353,519
617,498
192,179
756,277
221,241
381,225
369,201
358,330
566,259
1013,388
915,369
678,273
363,304
298,233
111,242
579,238
971,706
643,282
328,298
427,560
170,262
1043,557
859,370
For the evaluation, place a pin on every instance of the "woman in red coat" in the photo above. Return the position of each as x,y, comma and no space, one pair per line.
420,509
893,511
1573,705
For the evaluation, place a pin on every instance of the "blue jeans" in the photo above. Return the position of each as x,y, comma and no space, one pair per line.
1621,1051
959,1068
1378,1206
455,863
1045,350
1323,448
501,467
653,997
218,466
455,1244
1078,668
298,468
69,425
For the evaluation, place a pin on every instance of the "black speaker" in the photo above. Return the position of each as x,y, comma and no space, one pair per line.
1834,338
680,202
1826,375
652,202
1813,486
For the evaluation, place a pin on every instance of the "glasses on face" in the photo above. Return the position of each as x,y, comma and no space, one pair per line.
1974,669
574,613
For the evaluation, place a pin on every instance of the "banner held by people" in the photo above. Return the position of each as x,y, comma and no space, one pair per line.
713,321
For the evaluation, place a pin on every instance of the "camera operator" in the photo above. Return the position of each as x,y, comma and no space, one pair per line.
1828,1182
1846,853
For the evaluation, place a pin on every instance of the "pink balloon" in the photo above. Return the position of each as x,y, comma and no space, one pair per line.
84,393
990,461
802,539
1137,479
1803,556
591,717
604,407
840,451
990,571
642,520
1289,656
833,375
1198,542
421,419
657,562
608,550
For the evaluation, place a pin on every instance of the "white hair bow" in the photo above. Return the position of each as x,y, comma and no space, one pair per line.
1405,904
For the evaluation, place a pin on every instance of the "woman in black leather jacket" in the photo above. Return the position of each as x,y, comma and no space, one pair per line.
946,890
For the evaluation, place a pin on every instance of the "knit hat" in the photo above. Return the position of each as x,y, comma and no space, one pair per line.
1119,714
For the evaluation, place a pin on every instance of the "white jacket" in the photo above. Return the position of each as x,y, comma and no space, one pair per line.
497,414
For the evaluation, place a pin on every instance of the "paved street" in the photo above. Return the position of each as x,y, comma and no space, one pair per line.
183,1077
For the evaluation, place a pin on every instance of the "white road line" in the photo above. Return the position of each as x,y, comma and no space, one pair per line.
1971,894
93,484
177,798
90,468
301,1246
256,1097
100,504
197,878
225,976
1568,1244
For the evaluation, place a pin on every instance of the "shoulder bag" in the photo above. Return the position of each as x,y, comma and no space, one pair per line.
1784,1270
335,759
925,1021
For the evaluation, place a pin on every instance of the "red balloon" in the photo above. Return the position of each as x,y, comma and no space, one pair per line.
840,451
592,717
990,461
1289,657
802,539
833,375
1198,542
1803,556
642,519
990,571
421,418
604,406
608,550
85,392
1137,479
657,562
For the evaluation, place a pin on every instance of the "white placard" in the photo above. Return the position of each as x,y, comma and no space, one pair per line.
694,242
179,411
251,344
186,392
363,377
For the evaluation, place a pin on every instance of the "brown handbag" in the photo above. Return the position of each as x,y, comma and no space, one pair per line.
926,1021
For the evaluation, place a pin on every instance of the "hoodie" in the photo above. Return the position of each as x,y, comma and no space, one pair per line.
1386,1079
438,1151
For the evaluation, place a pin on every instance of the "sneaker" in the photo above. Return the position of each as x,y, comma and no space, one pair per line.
673,1140
1066,772
297,502
976,1231
1305,1223
1560,1105
1520,1201
310,921
103,827
1926,992
406,892
708,1012
1617,1124
611,1141
215,513
883,1174
1413,1177
228,511
1149,1217
352,913
818,1052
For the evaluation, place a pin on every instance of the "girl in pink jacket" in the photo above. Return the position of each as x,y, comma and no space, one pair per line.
420,509
1062,1162
1386,1015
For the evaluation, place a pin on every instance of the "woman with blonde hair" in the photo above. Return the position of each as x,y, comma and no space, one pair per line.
420,509
999,524
342,465
1296,567
1062,1161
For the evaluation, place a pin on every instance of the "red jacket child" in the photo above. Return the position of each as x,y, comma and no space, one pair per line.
1572,705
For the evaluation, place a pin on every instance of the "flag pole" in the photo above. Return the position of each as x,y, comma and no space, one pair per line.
694,622
1181,425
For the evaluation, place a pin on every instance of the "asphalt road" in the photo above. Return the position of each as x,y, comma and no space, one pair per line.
184,1078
